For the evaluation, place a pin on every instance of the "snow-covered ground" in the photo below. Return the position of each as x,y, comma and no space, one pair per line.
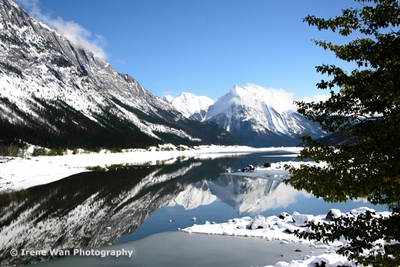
22,173
281,228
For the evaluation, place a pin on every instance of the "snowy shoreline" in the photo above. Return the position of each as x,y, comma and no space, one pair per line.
274,228
22,173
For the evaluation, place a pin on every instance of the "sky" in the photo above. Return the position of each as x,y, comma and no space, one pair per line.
204,47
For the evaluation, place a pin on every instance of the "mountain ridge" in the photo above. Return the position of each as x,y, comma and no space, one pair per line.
54,93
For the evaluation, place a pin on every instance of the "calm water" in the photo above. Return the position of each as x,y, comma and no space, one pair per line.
99,209
193,250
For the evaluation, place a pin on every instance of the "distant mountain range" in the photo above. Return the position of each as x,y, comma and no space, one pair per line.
256,116
56,94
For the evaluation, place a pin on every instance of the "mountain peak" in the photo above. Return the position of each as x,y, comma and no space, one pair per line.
278,99
192,106
168,98
260,116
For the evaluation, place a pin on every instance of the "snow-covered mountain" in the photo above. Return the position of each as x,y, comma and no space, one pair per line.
258,116
190,105
55,93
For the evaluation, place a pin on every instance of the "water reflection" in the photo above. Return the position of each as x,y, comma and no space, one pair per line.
243,193
94,209
254,195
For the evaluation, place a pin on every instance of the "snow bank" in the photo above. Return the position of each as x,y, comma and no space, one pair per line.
282,228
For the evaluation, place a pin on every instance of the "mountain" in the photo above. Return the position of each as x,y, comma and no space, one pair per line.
335,139
190,105
259,117
55,93
255,115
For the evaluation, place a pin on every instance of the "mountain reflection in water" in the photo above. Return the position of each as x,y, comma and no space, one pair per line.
94,209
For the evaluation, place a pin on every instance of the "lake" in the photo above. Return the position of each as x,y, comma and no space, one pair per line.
101,209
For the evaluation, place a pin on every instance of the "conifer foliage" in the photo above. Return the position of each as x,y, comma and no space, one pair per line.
366,107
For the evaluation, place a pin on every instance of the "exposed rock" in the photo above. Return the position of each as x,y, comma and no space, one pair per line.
333,214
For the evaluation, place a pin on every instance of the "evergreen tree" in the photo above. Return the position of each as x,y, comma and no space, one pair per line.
365,105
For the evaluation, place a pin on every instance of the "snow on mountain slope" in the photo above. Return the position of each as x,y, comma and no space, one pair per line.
259,116
168,99
268,108
253,96
255,115
190,105
55,65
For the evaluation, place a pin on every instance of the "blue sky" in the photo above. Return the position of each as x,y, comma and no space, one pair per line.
203,47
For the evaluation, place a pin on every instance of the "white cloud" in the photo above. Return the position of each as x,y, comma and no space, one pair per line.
78,36
74,32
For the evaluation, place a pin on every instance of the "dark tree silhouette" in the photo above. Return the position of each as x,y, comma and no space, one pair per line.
366,108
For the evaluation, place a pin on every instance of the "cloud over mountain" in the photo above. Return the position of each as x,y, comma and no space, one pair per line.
74,32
